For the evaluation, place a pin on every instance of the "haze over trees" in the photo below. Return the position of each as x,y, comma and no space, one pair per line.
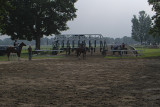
141,27
32,19
47,41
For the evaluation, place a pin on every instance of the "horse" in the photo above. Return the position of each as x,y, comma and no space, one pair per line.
114,48
82,50
121,50
15,50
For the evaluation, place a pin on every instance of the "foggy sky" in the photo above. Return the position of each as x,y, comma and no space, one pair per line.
111,18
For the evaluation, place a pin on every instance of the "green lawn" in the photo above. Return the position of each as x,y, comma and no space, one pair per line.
25,56
146,53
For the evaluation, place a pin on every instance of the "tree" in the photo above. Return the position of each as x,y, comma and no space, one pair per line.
156,17
4,6
141,27
32,19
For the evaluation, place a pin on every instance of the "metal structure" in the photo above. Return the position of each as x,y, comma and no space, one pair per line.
74,40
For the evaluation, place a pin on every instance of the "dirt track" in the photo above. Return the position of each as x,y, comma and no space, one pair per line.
69,82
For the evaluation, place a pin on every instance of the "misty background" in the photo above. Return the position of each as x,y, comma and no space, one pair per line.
111,18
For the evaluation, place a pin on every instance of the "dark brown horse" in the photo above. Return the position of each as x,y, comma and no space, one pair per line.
15,50
82,50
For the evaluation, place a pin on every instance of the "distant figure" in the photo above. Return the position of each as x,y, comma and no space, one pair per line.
123,45
16,45
111,47
69,50
91,50
29,52
115,46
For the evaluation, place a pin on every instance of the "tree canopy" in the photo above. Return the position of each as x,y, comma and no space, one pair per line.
31,19
4,6
141,27
156,18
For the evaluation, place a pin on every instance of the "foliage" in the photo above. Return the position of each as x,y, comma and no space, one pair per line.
4,6
32,19
155,30
141,27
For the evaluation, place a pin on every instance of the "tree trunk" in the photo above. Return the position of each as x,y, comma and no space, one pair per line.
38,42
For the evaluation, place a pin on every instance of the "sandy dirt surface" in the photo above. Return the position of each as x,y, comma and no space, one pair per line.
70,82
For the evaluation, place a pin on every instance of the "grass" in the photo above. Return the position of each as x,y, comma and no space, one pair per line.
146,53
3,58
25,56
119,57
149,52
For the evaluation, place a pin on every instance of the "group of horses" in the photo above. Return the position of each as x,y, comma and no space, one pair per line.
81,50
121,49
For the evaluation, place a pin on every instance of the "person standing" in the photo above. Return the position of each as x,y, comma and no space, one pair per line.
92,50
29,52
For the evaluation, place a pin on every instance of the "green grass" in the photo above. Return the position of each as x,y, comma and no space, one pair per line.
146,53
120,57
3,58
25,56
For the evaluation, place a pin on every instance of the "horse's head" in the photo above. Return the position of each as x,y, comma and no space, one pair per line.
22,44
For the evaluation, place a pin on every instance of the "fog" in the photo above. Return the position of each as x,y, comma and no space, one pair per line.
111,18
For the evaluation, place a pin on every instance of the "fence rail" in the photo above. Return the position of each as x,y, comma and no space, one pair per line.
134,52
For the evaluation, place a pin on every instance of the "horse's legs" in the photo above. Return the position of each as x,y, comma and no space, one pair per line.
91,52
18,55
77,53
84,55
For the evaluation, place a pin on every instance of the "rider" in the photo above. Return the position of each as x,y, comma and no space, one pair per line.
123,45
16,45
115,46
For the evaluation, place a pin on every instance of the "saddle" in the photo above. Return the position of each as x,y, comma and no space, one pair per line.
16,48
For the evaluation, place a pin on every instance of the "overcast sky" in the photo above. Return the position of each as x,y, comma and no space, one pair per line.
111,18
